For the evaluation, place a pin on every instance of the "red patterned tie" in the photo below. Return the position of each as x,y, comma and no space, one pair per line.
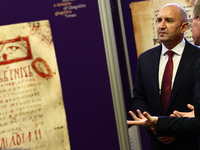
167,82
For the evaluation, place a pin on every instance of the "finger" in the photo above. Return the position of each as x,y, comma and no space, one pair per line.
165,140
169,140
162,139
147,115
130,112
133,115
138,123
172,115
130,122
191,107
177,114
140,114
152,121
153,130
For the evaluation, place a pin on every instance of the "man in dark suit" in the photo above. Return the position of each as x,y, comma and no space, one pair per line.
171,25
173,126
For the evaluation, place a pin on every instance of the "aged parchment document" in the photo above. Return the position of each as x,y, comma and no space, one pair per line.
144,14
32,113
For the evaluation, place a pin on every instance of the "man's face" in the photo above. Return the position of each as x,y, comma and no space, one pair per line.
169,25
195,30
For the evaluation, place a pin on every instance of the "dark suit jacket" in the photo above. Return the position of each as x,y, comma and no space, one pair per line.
197,90
181,127
146,90
178,127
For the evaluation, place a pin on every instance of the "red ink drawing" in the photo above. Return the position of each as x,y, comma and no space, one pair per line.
15,50
42,68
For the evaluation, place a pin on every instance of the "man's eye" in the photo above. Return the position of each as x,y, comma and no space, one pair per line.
169,20
158,20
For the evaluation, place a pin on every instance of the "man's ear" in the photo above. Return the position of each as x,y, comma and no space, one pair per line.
199,21
184,27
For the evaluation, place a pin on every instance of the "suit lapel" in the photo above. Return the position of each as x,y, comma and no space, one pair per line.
155,60
185,64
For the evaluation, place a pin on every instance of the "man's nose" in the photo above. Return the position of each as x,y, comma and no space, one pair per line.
162,24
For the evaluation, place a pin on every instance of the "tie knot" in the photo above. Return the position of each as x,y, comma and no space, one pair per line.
170,53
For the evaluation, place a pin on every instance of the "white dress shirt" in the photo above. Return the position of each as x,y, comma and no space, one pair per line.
178,51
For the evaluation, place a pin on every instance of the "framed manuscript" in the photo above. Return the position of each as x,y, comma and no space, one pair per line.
32,111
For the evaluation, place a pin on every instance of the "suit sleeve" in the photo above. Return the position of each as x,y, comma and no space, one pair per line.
197,89
139,100
178,127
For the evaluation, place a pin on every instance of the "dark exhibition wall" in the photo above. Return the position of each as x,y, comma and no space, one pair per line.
81,58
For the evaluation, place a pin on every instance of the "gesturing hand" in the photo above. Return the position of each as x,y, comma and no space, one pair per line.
184,114
145,120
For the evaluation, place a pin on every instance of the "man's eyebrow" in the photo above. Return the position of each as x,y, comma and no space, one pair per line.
165,18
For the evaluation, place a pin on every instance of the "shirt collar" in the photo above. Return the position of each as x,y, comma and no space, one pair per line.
178,49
